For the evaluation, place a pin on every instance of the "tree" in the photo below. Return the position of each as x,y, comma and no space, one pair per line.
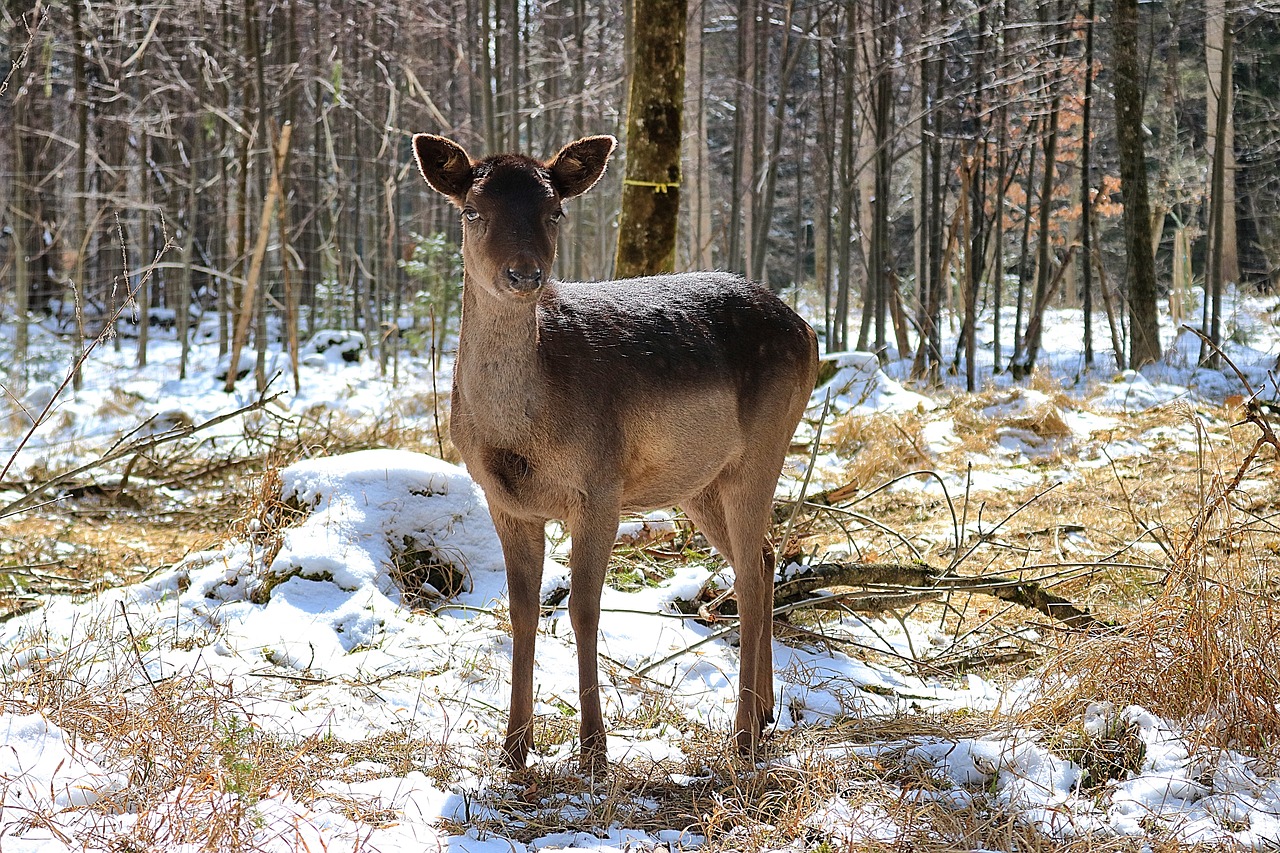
651,188
1144,324
1223,265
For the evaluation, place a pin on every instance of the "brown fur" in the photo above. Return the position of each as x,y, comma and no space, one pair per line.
578,401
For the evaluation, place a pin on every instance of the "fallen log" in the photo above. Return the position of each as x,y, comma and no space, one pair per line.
908,578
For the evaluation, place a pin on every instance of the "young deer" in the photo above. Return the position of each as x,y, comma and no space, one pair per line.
579,401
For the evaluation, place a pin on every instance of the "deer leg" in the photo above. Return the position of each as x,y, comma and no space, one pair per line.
523,546
706,511
593,535
747,501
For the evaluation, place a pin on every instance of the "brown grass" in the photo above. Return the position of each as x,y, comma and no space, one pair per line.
878,447
1197,645
192,761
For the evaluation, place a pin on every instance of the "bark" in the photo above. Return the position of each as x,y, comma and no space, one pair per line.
651,188
1140,266
696,152
23,214
1024,251
81,83
1086,185
742,195
1219,59
1222,191
249,297
879,273
792,50
1044,259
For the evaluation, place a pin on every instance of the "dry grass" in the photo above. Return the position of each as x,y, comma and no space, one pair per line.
1197,602
879,447
189,761
178,500
1203,650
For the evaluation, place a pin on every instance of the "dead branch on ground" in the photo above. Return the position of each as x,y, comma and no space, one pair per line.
906,579
131,449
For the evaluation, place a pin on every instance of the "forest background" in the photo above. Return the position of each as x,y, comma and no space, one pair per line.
896,166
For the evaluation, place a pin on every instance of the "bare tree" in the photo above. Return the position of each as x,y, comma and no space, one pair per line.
1144,322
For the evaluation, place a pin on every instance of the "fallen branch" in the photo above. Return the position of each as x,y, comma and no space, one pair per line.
125,449
902,579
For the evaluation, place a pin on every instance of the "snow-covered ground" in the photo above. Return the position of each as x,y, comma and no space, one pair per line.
302,622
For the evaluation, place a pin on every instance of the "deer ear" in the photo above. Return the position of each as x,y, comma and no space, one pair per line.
444,164
580,164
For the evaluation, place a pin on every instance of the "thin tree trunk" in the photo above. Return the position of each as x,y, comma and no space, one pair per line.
695,144
249,296
1044,257
651,188
1219,59
741,206
1141,274
1024,251
1086,185
791,51
145,247
1221,198
844,221
82,183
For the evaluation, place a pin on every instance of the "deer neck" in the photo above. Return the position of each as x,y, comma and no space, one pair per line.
497,374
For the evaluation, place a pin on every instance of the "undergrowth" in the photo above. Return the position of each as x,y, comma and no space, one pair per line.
1182,558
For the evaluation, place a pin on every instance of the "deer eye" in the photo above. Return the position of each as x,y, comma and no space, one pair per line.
556,216
470,215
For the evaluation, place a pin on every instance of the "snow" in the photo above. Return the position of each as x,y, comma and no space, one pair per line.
861,387
304,619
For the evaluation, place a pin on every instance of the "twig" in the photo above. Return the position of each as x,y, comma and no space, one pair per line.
1253,415
904,579
137,650
120,451
983,537
1143,528
108,330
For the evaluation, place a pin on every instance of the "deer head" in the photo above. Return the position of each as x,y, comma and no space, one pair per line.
511,206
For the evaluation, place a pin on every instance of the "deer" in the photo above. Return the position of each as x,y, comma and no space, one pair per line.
581,401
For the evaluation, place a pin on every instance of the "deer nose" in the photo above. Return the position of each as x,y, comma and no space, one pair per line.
525,277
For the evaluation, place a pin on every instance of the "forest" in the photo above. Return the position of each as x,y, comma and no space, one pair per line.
882,163
1026,534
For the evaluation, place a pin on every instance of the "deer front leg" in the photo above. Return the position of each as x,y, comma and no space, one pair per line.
593,537
523,547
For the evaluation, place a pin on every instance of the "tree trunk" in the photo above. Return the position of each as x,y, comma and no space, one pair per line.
83,230
651,188
742,193
23,216
791,50
1140,266
696,151
1024,250
1219,59
1222,237
1044,257
1086,185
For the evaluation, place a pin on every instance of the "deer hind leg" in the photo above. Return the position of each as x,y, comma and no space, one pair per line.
707,513
594,531
736,508
523,547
